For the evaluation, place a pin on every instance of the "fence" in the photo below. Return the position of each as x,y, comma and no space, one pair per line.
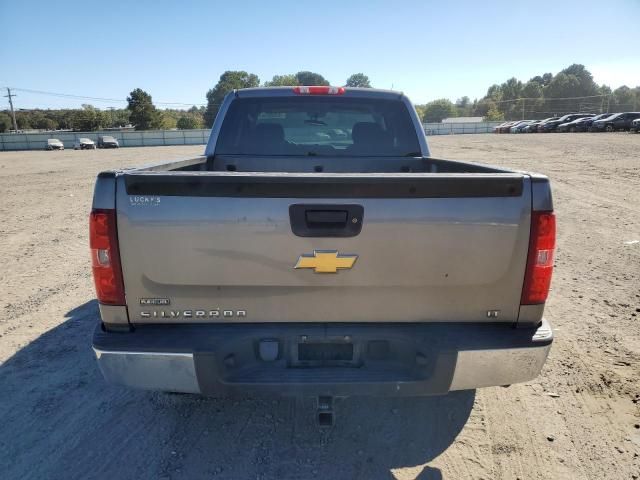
458,128
38,141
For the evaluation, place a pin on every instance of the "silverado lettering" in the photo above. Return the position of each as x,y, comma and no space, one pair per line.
192,313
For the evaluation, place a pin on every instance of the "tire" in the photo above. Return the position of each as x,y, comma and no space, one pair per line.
610,128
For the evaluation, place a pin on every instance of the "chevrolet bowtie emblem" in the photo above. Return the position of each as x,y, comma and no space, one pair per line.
326,261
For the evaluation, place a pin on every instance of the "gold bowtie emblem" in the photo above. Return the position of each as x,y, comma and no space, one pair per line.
326,261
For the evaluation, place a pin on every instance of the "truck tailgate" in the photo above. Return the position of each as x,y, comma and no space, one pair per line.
219,247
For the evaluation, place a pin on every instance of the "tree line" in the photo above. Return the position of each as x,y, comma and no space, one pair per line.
570,90
144,115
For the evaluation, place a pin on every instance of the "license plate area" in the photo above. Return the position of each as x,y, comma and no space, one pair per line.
325,352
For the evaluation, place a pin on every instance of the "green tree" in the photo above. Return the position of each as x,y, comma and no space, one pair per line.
623,98
511,89
493,114
463,107
636,95
188,122
115,117
23,119
46,124
168,120
311,78
289,80
558,94
6,123
483,106
437,110
494,93
358,80
229,81
586,85
87,119
543,80
532,89
143,114
463,102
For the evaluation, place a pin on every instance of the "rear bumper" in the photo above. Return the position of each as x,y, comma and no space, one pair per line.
387,359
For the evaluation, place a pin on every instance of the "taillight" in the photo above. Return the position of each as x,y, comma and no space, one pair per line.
105,257
542,243
320,90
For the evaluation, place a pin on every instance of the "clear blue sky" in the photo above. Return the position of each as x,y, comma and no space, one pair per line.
177,50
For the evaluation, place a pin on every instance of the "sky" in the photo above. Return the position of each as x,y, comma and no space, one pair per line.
177,50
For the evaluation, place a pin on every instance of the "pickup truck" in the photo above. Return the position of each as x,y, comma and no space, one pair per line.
317,248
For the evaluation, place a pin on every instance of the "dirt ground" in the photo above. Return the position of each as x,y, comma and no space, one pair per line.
579,420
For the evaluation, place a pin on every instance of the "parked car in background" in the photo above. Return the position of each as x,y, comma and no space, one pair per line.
54,144
506,127
635,126
552,125
497,128
517,128
618,121
532,127
84,144
587,125
540,126
107,141
500,128
574,125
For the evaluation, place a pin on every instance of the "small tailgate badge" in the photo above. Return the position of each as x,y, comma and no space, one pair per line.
155,301
326,261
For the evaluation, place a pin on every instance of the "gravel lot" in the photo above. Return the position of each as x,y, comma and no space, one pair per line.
579,420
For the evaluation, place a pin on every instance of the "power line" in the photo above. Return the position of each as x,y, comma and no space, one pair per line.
98,99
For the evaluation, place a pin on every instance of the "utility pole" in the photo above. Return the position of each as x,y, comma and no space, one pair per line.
13,114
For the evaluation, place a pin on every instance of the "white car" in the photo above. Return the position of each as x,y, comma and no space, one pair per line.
84,144
54,144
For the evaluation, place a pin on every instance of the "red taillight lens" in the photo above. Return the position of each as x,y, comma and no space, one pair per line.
320,90
105,257
542,244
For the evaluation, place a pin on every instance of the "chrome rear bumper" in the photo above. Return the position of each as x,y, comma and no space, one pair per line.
422,359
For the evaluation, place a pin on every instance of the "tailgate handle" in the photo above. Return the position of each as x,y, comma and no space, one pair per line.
326,220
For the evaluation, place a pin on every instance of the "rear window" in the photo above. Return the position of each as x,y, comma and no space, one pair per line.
318,125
